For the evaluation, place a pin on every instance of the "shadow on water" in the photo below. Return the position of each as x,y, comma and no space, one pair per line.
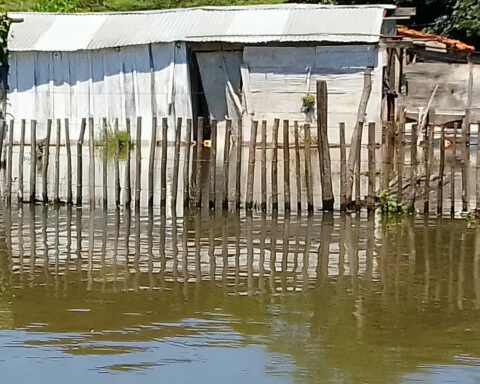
330,298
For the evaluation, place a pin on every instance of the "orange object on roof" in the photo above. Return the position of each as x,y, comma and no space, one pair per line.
450,43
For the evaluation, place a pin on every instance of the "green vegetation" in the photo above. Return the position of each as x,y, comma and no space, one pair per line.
390,206
107,141
308,103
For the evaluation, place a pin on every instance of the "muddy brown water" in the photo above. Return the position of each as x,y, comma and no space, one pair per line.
127,298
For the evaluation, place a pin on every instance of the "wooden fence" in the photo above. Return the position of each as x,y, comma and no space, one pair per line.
408,164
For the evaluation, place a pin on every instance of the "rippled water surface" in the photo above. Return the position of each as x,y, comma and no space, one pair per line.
126,298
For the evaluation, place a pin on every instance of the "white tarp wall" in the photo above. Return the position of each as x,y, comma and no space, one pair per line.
276,78
143,80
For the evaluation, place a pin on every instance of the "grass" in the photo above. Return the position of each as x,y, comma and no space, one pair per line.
108,139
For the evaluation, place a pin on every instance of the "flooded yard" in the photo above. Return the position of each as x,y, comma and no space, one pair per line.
124,297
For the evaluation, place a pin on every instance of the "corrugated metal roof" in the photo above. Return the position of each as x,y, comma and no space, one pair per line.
247,24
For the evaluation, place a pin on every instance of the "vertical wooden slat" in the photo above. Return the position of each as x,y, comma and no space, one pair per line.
176,163
371,167
163,173
276,125
69,161
33,160
297,168
238,174
264,166
83,127
116,160
56,198
138,162
251,166
453,169
151,161
413,166
186,166
105,166
440,173
21,157
428,143
465,165
308,169
198,168
400,160
9,163
286,166
358,166
91,164
343,169
226,162
46,161
128,186
213,163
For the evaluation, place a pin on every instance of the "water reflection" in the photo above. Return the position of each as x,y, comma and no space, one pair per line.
341,299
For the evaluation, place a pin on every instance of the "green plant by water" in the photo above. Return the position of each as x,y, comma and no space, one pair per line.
390,206
108,140
308,103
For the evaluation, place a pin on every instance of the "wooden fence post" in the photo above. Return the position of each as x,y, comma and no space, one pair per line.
33,160
286,166
105,165
226,162
239,165
308,169
56,198
116,160
46,162
371,167
21,157
151,161
163,171
264,166
128,187
452,169
176,163
328,199
213,163
3,124
343,169
251,166
186,166
198,176
91,165
138,162
441,172
297,168
465,164
9,163
69,162
413,166
276,124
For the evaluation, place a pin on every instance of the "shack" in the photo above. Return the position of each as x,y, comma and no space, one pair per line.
247,62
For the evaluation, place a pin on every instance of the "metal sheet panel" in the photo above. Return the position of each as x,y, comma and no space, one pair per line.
248,24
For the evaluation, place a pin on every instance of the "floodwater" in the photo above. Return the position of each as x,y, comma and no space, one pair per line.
120,297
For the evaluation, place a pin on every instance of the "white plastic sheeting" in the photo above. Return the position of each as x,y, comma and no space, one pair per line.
144,80
276,78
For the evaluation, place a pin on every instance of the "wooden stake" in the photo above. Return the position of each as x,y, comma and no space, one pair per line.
452,169
69,162
128,187
21,157
46,163
138,163
198,176
213,164
357,133
176,162
286,166
371,167
276,125
413,166
343,169
186,166
163,173
83,127
33,160
308,169
400,161
9,163
328,199
427,168
151,162
91,165
226,162
478,171
105,166
238,174
56,198
297,168
116,160
3,125
441,172
465,164
264,166
358,165
251,166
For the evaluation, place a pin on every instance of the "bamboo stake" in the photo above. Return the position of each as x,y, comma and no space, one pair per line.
104,167
238,174
128,187
83,127
251,166
176,162
297,168
33,160
276,124
308,170
138,163
9,163
226,162
46,162
116,160
328,199
163,173
91,165
371,166
56,198
151,161
186,166
21,157
198,176
357,133
413,166
213,163
441,172
264,166
69,162
286,166
452,170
